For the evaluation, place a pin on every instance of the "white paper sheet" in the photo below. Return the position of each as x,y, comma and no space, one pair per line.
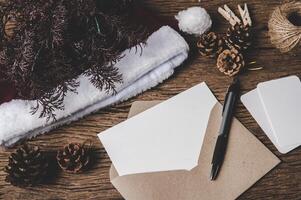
166,137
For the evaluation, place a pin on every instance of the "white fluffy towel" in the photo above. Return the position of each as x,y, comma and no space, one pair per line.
165,50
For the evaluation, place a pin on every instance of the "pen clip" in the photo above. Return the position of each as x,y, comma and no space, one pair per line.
233,86
226,98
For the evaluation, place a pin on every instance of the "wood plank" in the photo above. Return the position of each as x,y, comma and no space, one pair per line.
284,182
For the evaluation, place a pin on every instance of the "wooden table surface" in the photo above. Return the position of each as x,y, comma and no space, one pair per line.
284,182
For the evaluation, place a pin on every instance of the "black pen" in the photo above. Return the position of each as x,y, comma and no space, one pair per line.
227,116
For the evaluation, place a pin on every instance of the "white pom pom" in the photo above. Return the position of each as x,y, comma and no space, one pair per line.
194,20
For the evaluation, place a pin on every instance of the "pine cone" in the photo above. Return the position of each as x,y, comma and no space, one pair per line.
210,45
10,25
73,158
230,62
26,167
239,36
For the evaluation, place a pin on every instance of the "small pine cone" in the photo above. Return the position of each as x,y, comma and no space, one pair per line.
210,45
239,37
230,62
73,158
10,26
26,167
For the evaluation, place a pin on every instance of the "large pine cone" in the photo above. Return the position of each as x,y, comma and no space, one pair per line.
230,62
26,167
210,45
239,37
73,158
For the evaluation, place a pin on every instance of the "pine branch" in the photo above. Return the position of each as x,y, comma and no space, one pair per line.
22,67
4,64
59,25
54,100
104,77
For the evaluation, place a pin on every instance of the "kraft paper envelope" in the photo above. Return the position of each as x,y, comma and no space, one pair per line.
246,161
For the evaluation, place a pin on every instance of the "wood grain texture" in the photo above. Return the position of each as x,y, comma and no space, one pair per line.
284,182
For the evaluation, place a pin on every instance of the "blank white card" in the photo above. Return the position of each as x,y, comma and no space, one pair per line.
276,106
281,100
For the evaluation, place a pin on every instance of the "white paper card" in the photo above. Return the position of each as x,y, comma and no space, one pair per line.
285,110
166,137
252,102
281,100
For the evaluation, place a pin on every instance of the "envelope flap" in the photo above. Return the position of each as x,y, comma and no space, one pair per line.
113,173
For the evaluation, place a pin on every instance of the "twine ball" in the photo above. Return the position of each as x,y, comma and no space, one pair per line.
285,26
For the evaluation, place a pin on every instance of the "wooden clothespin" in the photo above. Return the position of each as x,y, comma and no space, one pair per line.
245,15
230,16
